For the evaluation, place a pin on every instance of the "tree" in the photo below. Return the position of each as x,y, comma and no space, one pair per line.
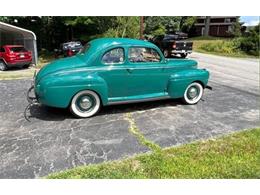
236,28
163,24
187,23
250,42
124,26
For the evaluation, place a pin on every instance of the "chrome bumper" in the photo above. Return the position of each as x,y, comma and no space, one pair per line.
31,98
181,51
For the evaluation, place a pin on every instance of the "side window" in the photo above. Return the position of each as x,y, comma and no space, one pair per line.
114,56
2,49
142,54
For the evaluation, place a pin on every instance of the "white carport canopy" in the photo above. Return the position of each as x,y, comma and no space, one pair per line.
13,35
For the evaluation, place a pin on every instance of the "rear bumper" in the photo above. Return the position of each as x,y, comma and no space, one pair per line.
181,51
17,64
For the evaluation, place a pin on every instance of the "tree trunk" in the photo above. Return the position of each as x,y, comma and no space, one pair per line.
141,27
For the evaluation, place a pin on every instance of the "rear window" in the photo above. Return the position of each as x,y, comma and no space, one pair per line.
18,49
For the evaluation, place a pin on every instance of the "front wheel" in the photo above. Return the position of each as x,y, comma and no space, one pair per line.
193,93
85,104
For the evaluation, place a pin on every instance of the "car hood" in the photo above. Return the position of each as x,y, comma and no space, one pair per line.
60,65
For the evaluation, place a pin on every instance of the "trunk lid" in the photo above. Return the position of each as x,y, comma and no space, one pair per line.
60,65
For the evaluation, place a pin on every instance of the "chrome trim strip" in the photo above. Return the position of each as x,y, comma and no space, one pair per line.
140,100
121,68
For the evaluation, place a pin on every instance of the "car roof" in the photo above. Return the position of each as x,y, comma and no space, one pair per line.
107,42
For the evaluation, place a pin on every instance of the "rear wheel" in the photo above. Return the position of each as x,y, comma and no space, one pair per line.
166,53
26,66
3,66
184,55
193,93
85,104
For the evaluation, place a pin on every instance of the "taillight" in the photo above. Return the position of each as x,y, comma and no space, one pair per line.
70,53
10,55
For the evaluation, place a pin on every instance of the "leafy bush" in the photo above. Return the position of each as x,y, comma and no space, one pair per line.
250,42
221,46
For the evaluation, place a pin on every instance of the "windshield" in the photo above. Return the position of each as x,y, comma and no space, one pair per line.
84,49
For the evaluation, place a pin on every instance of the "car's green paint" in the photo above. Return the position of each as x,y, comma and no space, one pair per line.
59,81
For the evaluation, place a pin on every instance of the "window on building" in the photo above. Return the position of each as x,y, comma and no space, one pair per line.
227,20
229,28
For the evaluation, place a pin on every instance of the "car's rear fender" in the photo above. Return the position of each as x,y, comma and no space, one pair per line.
179,81
56,92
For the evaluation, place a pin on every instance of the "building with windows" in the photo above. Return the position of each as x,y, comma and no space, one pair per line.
219,26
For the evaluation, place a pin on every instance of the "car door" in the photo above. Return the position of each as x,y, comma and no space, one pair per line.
116,73
147,72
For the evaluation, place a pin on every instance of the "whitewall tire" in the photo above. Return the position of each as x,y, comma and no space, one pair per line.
193,93
85,104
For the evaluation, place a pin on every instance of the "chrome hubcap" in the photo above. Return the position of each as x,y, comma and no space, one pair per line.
85,103
193,92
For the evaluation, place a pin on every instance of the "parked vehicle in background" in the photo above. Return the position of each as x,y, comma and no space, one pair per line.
173,44
115,71
14,56
69,48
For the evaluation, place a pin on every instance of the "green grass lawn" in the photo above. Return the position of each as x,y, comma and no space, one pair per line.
17,74
233,156
218,46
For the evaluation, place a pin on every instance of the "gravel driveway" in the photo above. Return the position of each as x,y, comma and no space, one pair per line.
55,141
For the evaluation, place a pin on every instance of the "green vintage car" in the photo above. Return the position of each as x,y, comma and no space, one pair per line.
114,71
